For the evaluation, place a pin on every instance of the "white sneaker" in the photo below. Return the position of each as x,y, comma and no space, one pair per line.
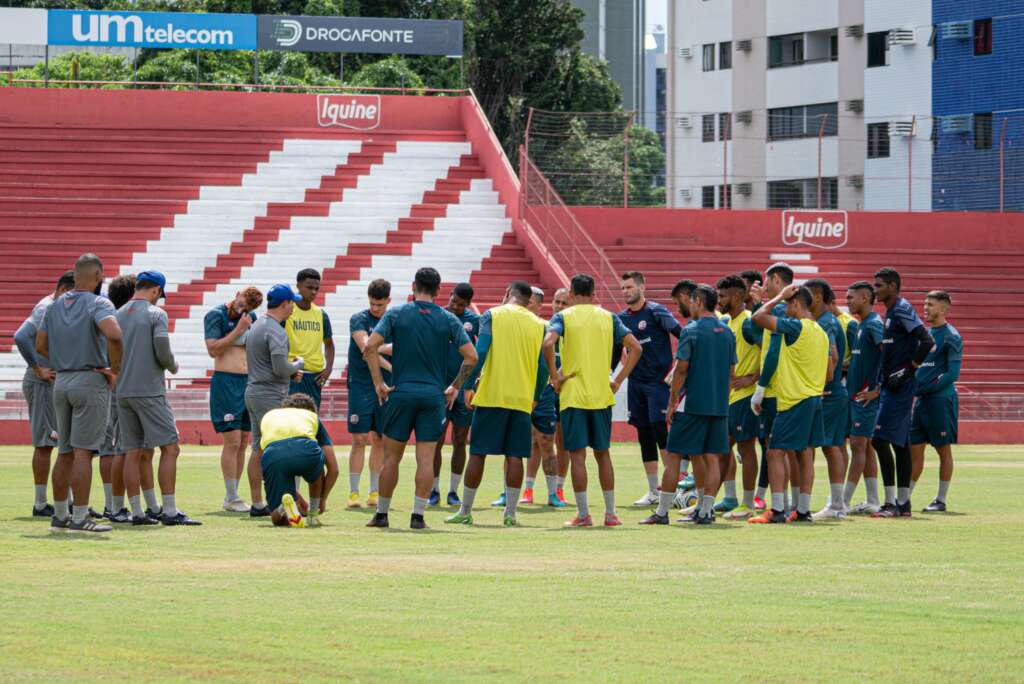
236,506
865,508
648,499
828,513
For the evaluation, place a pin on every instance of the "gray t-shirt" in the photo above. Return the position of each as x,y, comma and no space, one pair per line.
25,339
146,348
268,339
72,327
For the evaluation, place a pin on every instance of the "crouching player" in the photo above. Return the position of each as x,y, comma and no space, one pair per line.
295,444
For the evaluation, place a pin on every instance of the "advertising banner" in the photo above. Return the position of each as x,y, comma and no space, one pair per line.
153,29
361,34
23,26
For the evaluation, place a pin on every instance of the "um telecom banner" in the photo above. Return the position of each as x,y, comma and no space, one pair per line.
153,29
362,35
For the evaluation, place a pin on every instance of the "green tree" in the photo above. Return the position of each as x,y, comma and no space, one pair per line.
79,66
392,72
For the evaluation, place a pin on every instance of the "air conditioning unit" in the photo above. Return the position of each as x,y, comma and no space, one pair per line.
958,123
686,53
745,45
901,129
855,106
902,37
684,122
744,188
745,117
959,30
685,193
856,181
855,31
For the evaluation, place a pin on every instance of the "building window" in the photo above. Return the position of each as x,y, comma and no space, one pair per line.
878,49
803,193
803,122
709,57
725,197
785,50
833,47
982,37
707,197
983,131
707,128
725,55
878,140
725,126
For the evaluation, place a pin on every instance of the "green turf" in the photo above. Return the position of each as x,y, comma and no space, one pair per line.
927,599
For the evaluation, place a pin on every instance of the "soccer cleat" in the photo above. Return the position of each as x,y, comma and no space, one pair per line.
460,519
527,497
180,519
760,504
379,520
353,501
510,521
655,519
887,511
829,513
797,516
905,511
59,524
44,512
155,515
865,508
235,506
555,502
586,521
769,517
94,514
741,512
560,493
453,499
434,498
261,512
936,506
416,522
725,505
611,520
648,499
122,517
88,525
107,515
500,501
313,520
371,500
704,520
144,520
291,511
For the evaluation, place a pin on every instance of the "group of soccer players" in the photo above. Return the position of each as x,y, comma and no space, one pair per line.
761,362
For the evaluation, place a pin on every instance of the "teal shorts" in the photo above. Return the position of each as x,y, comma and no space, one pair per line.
582,428
935,419
693,435
286,459
743,424
363,410
765,421
460,415
227,402
308,385
501,432
403,414
545,413
799,427
835,416
863,419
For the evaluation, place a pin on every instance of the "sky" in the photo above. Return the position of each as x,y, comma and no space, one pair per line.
657,13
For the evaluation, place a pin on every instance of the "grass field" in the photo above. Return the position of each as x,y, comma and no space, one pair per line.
927,599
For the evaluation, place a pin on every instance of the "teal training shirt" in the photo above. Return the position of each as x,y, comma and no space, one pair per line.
865,355
710,347
421,334
834,329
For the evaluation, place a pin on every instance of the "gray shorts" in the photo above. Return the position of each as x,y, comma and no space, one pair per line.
112,437
259,402
39,397
81,405
146,423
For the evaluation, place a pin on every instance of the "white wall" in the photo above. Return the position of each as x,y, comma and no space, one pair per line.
803,85
797,16
799,158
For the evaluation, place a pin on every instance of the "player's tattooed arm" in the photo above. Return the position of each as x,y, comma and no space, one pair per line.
469,359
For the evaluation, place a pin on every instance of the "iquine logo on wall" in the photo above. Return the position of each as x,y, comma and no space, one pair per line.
359,112
822,229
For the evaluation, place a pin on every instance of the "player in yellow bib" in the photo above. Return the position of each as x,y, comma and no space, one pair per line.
310,337
512,376
588,333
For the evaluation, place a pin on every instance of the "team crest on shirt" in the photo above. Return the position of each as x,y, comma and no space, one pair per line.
642,325
228,417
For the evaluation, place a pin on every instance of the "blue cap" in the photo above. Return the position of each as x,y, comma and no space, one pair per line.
281,293
155,277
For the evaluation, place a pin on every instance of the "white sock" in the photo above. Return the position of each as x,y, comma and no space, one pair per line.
314,505
530,481
561,481
136,504
871,488
353,482
913,483
383,505
79,513
108,496
943,490
849,489
779,502
609,502
582,506
902,495
40,495
230,490
552,482
760,492
419,505
707,503
890,495
118,504
748,498
511,500
374,481
150,496
60,509
170,507
454,483
652,483
468,497
684,466
804,503
730,489
837,495
665,502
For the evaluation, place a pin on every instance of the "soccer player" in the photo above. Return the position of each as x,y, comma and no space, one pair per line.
681,294
37,388
266,356
144,416
310,337
936,410
296,445
751,278
460,415
705,365
421,334
363,407
588,333
904,348
81,340
653,326
835,404
743,429
861,378
512,376
798,383
544,418
226,329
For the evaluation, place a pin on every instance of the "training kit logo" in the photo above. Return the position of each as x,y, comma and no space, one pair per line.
360,112
286,32
823,229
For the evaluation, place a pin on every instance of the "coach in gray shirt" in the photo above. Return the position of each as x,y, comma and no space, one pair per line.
77,333
266,355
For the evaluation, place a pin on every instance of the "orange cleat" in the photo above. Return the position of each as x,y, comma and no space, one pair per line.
527,497
612,520
769,517
560,493
580,522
